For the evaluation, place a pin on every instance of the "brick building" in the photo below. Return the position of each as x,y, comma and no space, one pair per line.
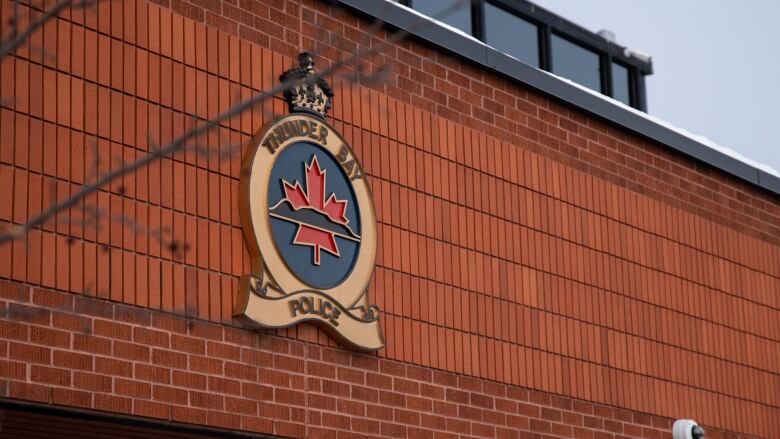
549,263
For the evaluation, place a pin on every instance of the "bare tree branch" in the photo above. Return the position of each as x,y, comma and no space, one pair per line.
17,39
204,127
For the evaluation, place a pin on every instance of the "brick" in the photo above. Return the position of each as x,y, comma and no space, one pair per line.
257,358
74,398
240,371
273,344
49,337
206,400
430,391
392,399
540,426
258,425
92,382
52,299
14,291
224,385
111,366
91,343
290,364
145,372
133,389
406,386
170,323
365,362
131,351
106,328
275,377
551,414
593,422
351,375
133,315
189,380
206,365
445,379
352,408
336,388
224,420
321,369
458,426
321,402
14,330
151,337
93,307
291,397
222,350
13,370
457,396
392,368
28,314
153,409
240,337
29,353
71,322
240,406
539,397
418,373
289,429
470,384
518,422
205,330
472,413
170,395
379,381
532,411
494,389
114,404
480,400
29,392
50,375
275,411
366,426
169,359
188,344
613,426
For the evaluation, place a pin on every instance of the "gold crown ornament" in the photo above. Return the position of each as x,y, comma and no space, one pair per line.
307,93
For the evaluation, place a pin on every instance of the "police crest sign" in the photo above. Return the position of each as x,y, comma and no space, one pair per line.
309,222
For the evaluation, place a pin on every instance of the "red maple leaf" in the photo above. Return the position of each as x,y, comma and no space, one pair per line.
314,198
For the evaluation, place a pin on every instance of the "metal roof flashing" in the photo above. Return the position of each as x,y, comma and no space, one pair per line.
593,103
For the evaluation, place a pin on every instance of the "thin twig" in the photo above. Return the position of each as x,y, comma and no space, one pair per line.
16,39
181,142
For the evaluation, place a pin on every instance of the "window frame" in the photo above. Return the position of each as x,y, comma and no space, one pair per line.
605,69
479,18
632,86
547,24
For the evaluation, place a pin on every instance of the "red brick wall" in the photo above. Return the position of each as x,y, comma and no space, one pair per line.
85,352
533,248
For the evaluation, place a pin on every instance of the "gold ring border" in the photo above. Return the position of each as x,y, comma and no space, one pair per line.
255,174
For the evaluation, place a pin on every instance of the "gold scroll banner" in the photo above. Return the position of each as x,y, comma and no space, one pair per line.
363,332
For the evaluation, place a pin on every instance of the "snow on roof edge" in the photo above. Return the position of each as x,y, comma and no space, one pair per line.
702,140
439,22
681,131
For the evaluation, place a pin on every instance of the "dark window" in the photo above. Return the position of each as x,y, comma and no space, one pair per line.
459,17
546,41
576,63
512,35
621,84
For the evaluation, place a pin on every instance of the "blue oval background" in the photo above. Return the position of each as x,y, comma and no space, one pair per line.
290,166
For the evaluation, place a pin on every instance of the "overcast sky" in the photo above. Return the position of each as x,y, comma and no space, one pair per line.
716,63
